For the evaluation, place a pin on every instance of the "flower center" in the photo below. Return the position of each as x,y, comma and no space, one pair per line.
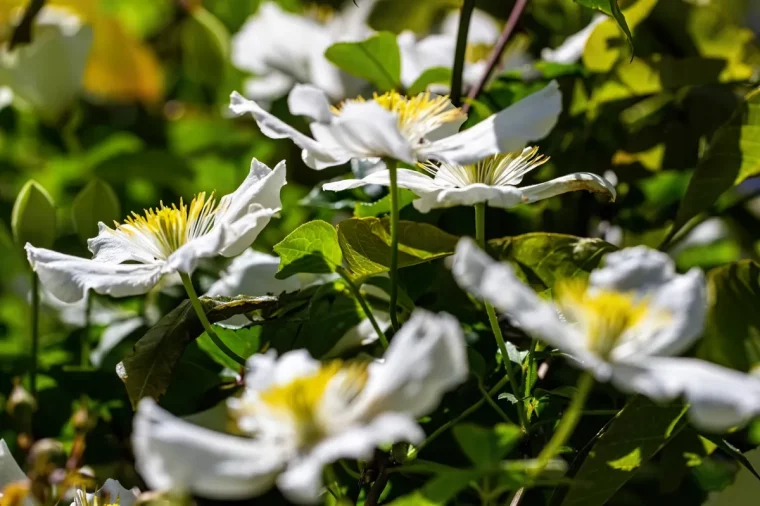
498,170
310,402
418,115
604,315
80,499
164,230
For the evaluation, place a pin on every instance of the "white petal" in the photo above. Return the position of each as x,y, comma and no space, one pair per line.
530,119
113,492
68,277
302,481
252,273
408,179
572,49
417,56
209,245
497,283
265,370
113,335
310,101
495,196
365,130
267,89
483,28
108,246
10,471
315,154
173,454
720,398
261,186
360,334
570,183
426,358
639,269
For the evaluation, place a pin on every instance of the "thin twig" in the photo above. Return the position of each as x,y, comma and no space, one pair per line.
373,496
495,56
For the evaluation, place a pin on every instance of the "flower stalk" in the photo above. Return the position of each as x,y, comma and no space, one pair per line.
365,307
480,235
193,296
391,165
459,53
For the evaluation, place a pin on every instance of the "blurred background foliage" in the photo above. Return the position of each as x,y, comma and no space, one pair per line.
149,123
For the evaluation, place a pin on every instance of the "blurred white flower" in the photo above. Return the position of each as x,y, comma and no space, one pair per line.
46,74
299,415
493,180
282,49
407,129
571,50
164,240
622,326
708,232
10,472
112,493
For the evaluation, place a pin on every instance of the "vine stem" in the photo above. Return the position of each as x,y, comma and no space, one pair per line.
365,307
495,56
391,166
35,334
461,49
568,423
204,319
480,236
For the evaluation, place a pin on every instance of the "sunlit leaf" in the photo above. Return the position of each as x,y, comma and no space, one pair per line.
376,59
313,247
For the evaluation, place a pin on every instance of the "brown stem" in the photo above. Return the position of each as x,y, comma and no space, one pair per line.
23,32
373,496
495,56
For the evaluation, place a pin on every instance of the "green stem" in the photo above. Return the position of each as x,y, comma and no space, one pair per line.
204,320
365,307
459,54
480,235
35,334
568,423
84,358
391,165
493,404
467,412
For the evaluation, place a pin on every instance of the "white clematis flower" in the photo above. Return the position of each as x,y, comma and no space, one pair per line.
299,415
112,493
623,326
493,180
164,240
408,129
571,50
283,49
47,73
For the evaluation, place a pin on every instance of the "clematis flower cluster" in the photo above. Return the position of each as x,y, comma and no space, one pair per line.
297,415
624,326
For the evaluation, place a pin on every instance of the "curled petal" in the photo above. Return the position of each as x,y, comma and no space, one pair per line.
495,196
719,398
173,454
68,277
262,186
570,183
426,358
302,481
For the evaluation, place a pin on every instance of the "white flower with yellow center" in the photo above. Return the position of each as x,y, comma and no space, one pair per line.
297,415
623,326
282,49
130,259
493,181
112,493
407,129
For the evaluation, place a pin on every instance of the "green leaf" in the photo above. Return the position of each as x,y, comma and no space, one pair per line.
160,167
33,217
95,203
439,490
732,337
376,59
732,156
148,370
244,342
542,259
636,433
366,244
434,75
205,46
486,447
313,247
383,206
611,8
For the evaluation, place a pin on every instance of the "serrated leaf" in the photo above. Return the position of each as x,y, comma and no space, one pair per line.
376,59
542,259
636,433
732,337
366,244
434,75
486,447
33,219
95,203
311,248
732,156
148,370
